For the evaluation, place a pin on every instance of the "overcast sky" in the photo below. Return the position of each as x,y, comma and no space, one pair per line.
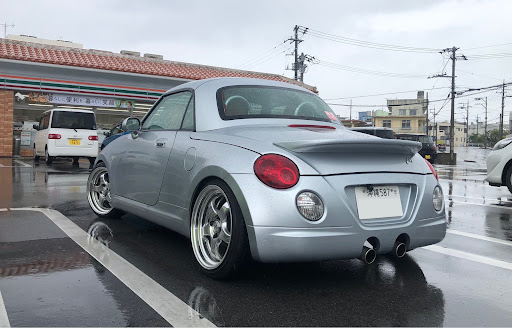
232,33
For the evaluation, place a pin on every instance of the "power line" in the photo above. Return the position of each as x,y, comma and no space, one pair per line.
366,71
263,54
382,94
366,44
494,45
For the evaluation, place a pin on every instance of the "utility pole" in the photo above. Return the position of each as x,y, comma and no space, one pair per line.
5,25
485,127
502,108
350,111
453,58
299,66
297,41
426,118
467,123
477,124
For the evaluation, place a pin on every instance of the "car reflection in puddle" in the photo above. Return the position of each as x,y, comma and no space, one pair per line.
396,291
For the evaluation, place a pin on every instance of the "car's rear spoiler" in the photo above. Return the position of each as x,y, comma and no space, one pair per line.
351,146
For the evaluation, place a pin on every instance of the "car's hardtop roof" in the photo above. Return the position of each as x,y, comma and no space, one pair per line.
412,134
371,128
68,110
221,82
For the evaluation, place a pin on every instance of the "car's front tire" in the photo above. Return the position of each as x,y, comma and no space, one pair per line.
48,159
218,232
98,193
34,155
508,179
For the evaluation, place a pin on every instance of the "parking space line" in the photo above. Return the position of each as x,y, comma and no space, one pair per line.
4,320
469,256
166,304
489,205
472,235
21,163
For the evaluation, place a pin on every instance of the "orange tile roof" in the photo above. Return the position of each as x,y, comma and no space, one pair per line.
33,52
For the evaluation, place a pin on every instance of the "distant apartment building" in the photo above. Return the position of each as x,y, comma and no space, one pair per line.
406,115
441,133
366,116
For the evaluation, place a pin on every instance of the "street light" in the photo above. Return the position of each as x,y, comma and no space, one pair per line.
484,98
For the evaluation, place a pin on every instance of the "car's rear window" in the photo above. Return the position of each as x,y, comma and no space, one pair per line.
73,120
241,102
425,139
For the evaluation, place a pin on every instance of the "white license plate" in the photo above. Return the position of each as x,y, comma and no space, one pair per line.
379,202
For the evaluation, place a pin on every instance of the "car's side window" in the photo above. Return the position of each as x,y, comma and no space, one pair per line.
45,121
168,113
41,122
188,120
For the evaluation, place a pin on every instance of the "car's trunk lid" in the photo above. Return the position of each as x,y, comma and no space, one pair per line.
328,150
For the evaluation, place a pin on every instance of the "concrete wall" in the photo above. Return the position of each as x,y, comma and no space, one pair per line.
6,115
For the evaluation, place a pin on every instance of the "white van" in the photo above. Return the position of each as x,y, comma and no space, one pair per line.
66,133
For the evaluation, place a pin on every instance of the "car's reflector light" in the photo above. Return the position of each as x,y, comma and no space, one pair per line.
93,137
432,169
311,126
54,136
276,171
437,198
310,206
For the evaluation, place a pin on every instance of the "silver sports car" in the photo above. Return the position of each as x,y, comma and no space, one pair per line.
255,168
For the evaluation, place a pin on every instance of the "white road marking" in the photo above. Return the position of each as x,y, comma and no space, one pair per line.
469,256
4,320
472,235
3,210
1,165
21,163
488,205
166,304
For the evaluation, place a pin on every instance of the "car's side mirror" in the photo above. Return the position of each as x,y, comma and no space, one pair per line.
106,134
132,125
36,127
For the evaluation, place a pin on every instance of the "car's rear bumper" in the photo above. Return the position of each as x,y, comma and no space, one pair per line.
278,233
73,151
496,162
315,244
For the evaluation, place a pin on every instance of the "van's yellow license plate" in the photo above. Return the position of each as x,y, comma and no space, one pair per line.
74,142
427,156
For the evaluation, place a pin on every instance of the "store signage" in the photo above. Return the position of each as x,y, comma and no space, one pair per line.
25,138
64,99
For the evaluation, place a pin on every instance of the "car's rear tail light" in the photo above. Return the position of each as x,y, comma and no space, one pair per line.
432,169
311,126
54,136
93,138
276,171
435,148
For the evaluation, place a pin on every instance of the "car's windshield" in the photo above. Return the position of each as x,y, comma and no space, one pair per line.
73,120
242,102
426,139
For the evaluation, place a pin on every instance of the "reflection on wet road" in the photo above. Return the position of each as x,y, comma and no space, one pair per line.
47,279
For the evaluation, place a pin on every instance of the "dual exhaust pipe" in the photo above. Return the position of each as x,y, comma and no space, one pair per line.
369,255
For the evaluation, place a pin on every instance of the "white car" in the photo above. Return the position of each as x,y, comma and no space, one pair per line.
66,133
499,165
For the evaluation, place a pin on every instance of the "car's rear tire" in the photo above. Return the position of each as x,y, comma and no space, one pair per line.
98,193
48,159
218,232
508,179
34,155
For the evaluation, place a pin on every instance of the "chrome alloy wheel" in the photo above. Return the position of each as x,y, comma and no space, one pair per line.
98,191
210,227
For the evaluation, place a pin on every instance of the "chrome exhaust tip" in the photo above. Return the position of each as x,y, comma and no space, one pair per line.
368,255
399,249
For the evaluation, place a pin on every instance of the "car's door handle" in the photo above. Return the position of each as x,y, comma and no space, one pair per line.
160,143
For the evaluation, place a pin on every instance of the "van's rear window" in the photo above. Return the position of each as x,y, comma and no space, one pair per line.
73,120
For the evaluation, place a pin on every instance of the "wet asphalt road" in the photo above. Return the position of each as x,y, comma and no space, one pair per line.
47,279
